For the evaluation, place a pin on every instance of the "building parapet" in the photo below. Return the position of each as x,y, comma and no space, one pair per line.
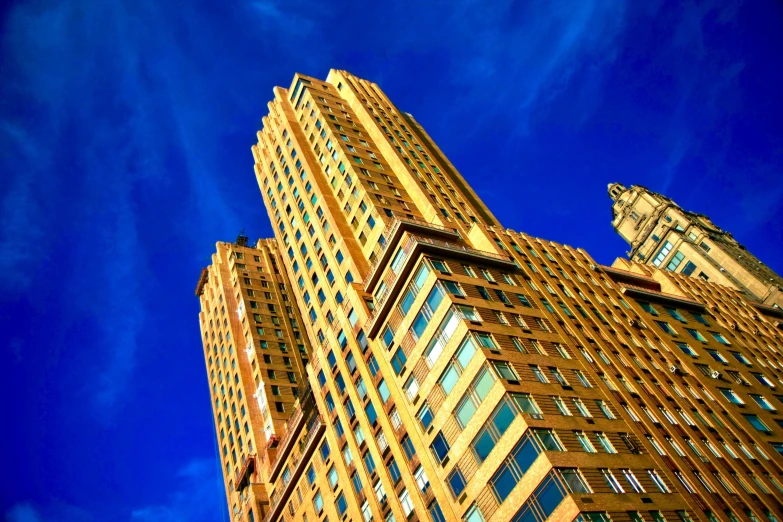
202,280
674,300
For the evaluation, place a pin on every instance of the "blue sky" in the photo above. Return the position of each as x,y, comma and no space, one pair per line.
125,134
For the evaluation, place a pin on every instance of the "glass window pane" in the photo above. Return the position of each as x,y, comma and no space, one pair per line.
465,412
406,302
503,482
549,496
504,416
449,379
466,351
483,384
525,454
483,444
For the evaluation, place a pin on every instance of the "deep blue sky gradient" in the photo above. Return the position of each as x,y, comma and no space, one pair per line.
125,134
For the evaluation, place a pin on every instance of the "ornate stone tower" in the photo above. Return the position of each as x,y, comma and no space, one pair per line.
664,235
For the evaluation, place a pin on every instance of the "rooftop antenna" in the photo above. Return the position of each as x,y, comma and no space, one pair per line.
242,239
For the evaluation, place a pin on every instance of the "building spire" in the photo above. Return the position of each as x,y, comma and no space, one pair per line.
615,189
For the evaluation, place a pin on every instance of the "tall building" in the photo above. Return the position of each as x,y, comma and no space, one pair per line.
463,371
256,352
663,235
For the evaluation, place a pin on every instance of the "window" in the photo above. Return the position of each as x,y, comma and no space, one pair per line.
473,397
496,426
421,479
763,402
675,261
662,253
584,441
604,407
473,514
505,370
468,312
325,451
763,380
486,340
440,447
453,288
666,327
398,361
741,358
440,266
394,471
436,514
561,406
611,481
425,416
696,335
407,446
582,379
605,443
405,501
757,423
687,350
718,337
456,481
675,314
689,268
632,481
539,375
526,404
647,307
731,396
331,475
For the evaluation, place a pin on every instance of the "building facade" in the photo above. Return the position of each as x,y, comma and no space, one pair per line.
458,370
663,235
256,352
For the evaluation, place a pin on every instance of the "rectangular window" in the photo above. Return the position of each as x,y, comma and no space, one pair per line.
675,261
757,423
440,447
666,327
611,481
662,254
584,441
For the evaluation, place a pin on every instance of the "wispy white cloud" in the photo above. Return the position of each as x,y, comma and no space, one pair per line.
513,58
52,511
143,113
700,104
199,496
22,221
23,513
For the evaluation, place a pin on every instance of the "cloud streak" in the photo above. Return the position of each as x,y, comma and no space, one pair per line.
517,57
198,497
114,128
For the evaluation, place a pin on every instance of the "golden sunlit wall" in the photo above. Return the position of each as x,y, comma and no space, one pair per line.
462,371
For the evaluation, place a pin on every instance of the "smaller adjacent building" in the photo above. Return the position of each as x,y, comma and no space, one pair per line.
664,235
256,353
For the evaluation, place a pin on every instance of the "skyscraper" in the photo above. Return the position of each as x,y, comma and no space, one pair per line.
247,306
463,371
663,235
